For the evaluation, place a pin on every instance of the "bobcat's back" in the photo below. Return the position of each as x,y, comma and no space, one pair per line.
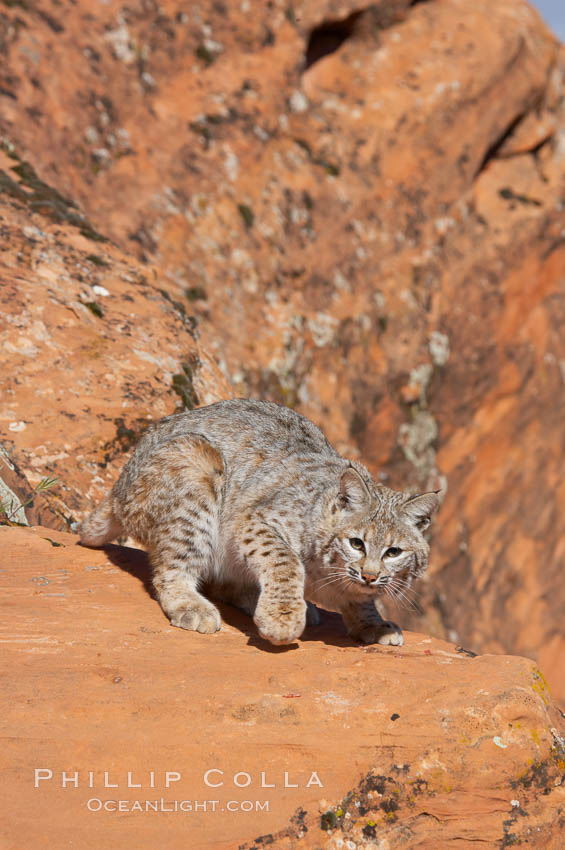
263,446
250,496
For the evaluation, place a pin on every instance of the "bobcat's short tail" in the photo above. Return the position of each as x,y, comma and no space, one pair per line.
101,526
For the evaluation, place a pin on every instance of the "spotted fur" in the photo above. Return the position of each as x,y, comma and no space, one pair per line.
248,500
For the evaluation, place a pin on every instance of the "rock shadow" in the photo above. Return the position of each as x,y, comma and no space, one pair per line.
331,629
132,561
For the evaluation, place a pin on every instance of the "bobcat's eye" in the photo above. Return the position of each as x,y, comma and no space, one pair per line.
357,543
392,552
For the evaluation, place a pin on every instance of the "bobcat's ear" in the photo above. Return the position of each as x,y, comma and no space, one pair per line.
353,492
419,509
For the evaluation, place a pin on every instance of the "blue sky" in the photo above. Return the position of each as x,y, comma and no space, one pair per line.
554,13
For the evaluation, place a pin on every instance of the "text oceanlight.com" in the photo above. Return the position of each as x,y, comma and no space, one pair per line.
97,805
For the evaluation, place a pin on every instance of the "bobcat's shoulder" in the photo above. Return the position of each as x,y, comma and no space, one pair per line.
248,497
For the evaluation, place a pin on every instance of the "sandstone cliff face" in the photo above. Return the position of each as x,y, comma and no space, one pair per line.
438,748
363,209
93,349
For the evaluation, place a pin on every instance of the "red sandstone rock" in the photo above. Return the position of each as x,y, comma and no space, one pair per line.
92,351
356,203
439,746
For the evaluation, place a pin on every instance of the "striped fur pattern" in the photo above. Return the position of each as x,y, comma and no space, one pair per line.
246,501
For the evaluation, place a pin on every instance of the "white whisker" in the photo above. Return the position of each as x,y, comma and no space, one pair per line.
324,578
402,599
403,585
331,581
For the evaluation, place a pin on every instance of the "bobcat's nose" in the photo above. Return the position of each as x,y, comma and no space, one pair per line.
368,577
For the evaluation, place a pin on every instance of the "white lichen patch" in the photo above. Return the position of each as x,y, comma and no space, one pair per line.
213,46
148,80
166,363
298,215
431,762
416,440
244,271
442,225
341,282
420,376
24,347
231,164
438,346
121,43
34,233
102,156
45,460
323,328
261,134
337,704
91,136
298,102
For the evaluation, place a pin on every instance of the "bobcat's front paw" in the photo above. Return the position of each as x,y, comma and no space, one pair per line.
198,617
385,633
281,624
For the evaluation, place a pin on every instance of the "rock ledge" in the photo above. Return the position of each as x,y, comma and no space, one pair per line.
438,745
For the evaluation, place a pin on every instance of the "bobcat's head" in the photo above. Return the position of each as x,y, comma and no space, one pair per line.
372,537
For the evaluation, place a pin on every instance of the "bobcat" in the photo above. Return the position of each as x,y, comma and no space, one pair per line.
249,500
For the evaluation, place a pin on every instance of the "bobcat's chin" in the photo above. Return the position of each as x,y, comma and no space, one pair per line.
250,497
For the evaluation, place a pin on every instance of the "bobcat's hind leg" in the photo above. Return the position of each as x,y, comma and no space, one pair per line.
176,588
184,481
